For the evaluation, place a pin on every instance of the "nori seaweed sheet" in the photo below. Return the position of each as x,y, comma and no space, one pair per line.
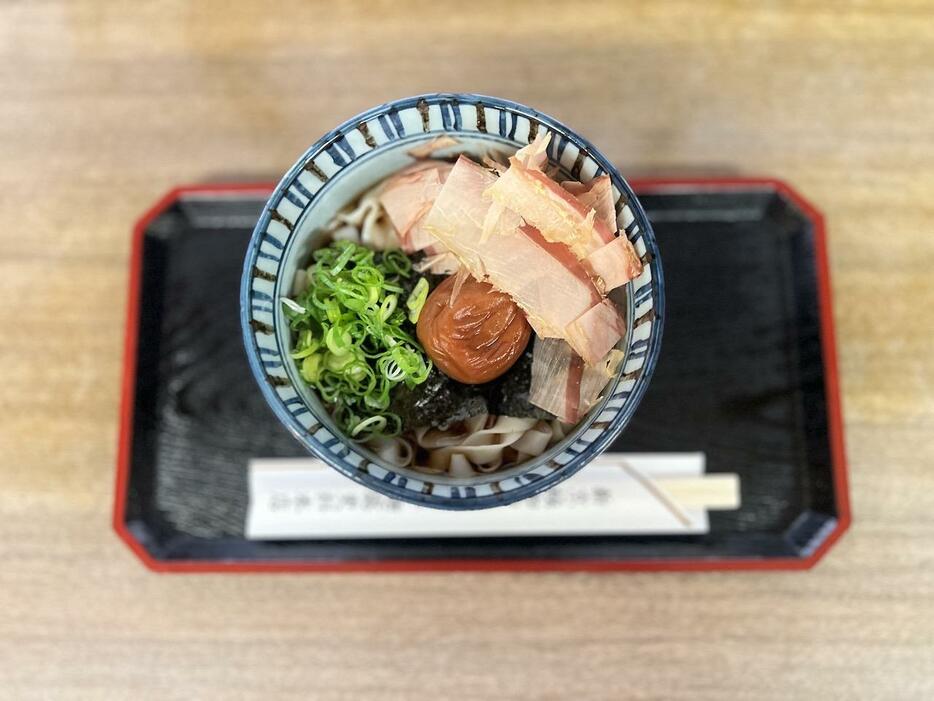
442,402
439,401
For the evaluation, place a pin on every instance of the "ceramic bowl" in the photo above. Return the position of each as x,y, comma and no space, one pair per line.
331,174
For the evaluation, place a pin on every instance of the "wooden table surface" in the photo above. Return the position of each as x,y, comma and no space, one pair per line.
104,106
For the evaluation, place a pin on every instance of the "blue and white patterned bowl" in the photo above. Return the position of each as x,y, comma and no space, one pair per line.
331,174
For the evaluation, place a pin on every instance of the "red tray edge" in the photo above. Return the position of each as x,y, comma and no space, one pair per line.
832,390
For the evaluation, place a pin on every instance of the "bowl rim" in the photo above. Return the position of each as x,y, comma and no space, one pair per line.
596,446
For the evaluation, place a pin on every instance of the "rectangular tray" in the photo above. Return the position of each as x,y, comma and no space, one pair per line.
747,375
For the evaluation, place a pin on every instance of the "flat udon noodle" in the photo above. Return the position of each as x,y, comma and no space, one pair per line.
559,431
365,223
395,451
480,444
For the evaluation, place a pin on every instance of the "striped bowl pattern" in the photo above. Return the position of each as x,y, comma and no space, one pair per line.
355,156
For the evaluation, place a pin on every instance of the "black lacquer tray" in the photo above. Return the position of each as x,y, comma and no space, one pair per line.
747,375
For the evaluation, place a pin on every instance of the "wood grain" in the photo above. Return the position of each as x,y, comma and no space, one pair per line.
105,105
